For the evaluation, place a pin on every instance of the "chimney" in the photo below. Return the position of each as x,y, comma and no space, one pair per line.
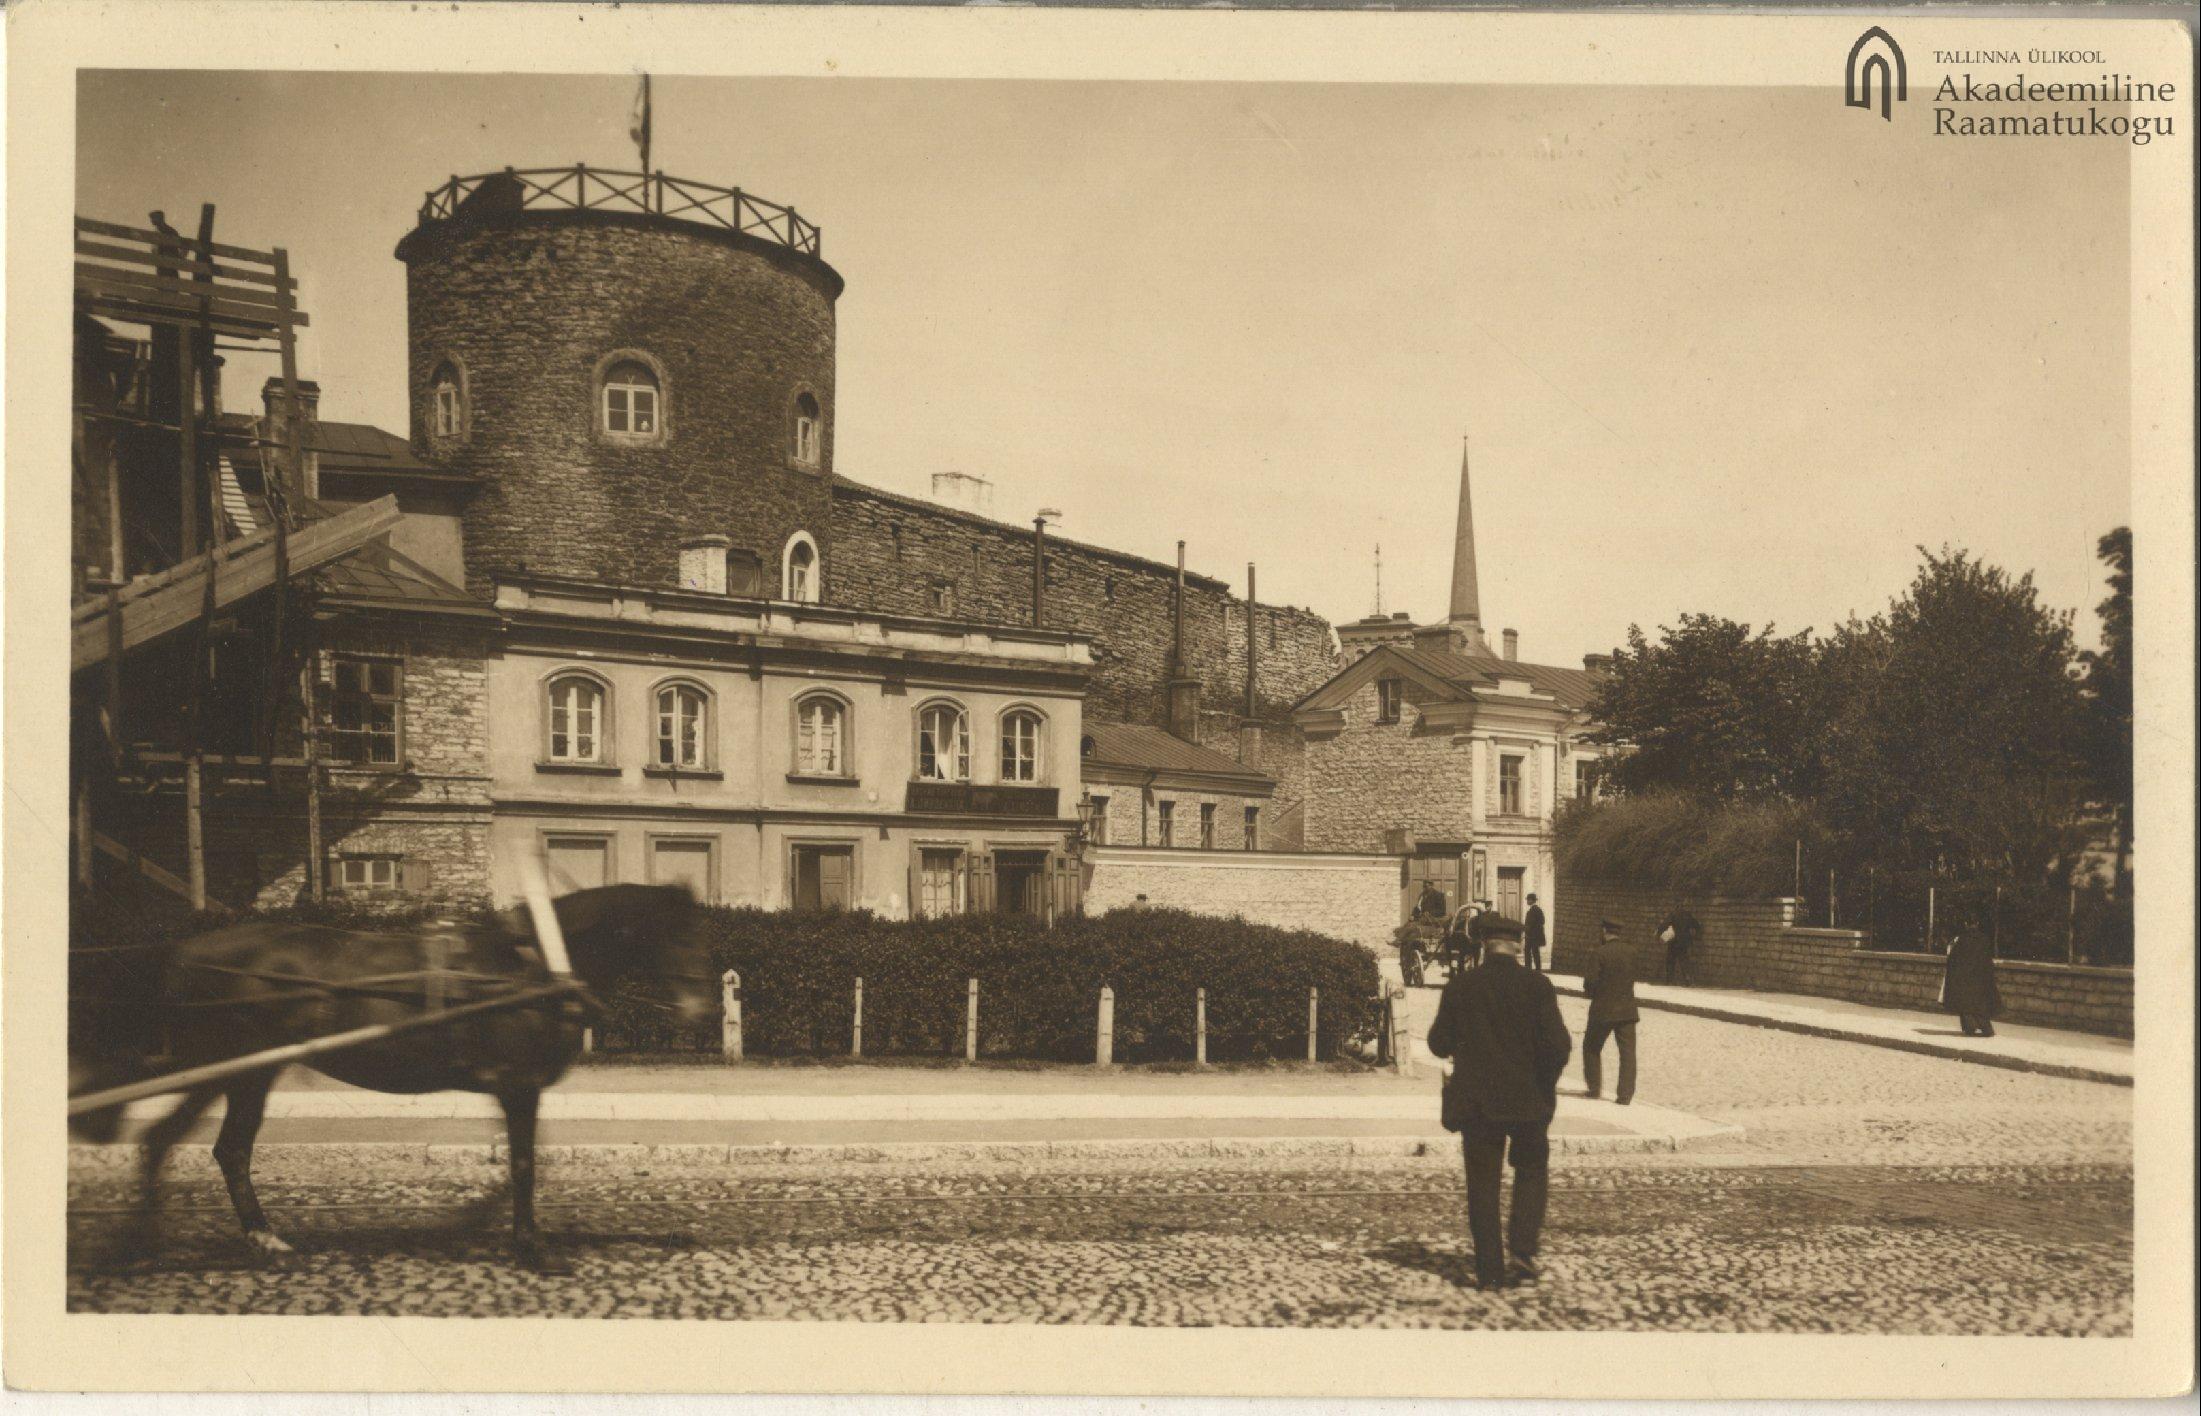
703,563
1513,644
1597,663
278,430
963,492
1183,690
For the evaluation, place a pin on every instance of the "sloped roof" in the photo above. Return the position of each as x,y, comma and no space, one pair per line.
352,448
1573,688
379,576
1149,749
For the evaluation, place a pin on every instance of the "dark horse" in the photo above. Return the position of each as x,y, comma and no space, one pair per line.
261,985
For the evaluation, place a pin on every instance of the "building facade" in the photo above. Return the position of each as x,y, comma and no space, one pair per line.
1429,746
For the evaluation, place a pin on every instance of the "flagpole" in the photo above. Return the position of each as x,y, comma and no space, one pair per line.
645,125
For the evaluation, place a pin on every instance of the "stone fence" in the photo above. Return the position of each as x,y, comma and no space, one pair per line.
1758,944
1355,897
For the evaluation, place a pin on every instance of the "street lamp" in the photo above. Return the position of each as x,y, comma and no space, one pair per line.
1084,834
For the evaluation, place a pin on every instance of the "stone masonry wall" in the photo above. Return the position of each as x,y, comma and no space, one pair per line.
1756,944
888,552
1353,897
1373,775
431,813
529,308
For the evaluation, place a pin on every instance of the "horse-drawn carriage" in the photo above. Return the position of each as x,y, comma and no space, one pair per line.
496,1007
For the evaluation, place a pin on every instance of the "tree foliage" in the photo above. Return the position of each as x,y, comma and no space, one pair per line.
2107,683
1712,709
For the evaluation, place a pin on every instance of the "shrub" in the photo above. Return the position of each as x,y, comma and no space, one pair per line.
1667,840
1039,988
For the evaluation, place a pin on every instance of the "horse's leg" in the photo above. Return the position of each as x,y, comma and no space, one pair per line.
233,1152
143,1236
520,1109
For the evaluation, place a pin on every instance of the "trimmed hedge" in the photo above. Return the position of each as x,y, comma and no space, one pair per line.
1039,987
1666,840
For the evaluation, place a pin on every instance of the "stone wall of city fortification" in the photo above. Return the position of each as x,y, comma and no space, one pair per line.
531,307
1758,944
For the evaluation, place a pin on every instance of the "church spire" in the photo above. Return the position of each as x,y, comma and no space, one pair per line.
1466,613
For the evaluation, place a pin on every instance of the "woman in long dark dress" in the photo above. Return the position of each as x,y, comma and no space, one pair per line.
1968,987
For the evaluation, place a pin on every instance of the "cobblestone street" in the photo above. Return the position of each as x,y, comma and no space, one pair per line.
1872,1191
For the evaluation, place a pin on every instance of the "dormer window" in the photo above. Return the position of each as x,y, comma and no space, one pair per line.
809,431
631,398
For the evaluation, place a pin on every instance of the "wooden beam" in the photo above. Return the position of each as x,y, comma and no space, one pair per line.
167,880
150,237
249,568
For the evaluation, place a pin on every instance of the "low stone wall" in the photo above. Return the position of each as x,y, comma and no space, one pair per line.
1758,944
1355,897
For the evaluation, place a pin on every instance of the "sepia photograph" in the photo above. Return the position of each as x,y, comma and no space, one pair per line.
1130,702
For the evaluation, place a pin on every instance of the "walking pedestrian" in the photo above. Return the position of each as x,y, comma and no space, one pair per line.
1678,932
1500,1026
1532,935
1609,980
1968,984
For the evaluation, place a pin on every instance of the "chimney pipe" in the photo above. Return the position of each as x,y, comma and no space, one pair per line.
1513,644
1177,642
1253,648
1039,570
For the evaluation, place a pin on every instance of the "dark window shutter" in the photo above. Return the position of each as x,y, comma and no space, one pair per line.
415,877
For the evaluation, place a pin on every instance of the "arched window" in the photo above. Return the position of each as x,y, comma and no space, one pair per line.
683,727
578,720
809,431
799,569
1021,731
631,398
943,743
447,402
821,736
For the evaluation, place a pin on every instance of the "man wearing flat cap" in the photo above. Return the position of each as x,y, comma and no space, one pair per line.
1609,980
1500,1026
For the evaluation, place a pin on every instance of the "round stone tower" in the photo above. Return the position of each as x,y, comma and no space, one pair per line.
625,363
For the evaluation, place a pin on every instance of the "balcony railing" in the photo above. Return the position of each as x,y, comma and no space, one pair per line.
584,188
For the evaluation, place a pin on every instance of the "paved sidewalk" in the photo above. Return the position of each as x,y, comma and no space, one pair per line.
752,1111
2049,1051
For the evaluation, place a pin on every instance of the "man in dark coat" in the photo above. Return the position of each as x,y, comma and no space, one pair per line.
1610,982
1679,934
1500,1026
1968,987
1532,935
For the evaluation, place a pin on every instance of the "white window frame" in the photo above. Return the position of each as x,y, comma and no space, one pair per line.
809,433
1390,699
449,418
600,755
677,688
956,765
390,866
1033,767
806,593
1519,763
806,763
632,409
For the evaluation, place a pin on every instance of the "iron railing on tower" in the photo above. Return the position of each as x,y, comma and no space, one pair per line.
584,188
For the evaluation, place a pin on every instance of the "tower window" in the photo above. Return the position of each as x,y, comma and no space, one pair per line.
799,570
447,406
809,434
631,399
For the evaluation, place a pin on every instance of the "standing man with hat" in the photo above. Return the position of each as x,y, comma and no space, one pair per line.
1500,1026
1609,980
1532,934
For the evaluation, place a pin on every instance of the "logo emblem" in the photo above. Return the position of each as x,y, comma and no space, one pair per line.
1865,58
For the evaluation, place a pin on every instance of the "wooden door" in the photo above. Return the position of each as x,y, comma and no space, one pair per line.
1511,886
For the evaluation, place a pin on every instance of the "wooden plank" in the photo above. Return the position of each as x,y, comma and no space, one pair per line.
147,584
131,312
122,259
245,572
140,280
135,233
181,299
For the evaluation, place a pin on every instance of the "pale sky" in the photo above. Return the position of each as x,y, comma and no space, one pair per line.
1728,350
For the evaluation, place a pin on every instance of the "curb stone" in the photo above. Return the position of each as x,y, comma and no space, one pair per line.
109,1159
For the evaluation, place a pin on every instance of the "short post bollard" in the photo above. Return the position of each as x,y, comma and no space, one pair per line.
970,1026
1104,1033
1400,1041
729,1002
1311,999
1199,1026
856,1034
